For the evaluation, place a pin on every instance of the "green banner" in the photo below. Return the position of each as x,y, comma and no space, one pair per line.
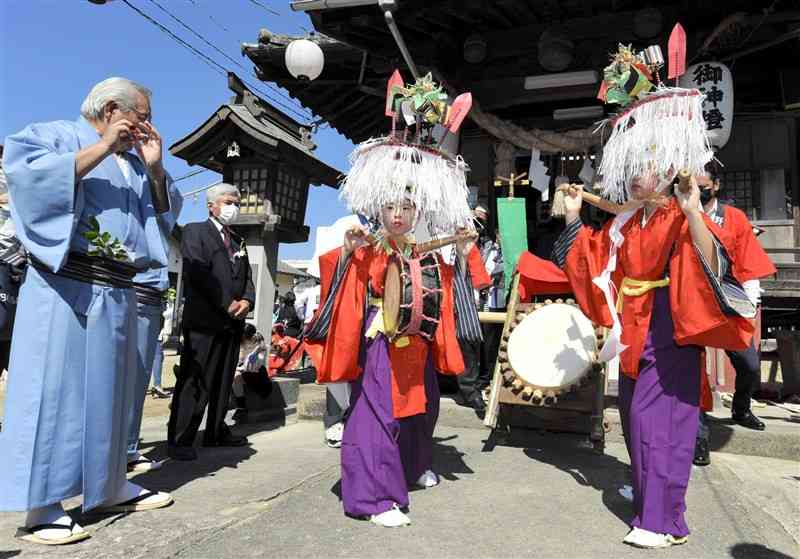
513,225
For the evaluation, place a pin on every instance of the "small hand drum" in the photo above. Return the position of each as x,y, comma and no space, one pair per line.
412,294
550,351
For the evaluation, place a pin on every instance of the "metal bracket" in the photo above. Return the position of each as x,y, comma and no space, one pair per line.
389,7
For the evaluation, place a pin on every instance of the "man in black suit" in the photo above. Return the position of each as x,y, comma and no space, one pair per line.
219,294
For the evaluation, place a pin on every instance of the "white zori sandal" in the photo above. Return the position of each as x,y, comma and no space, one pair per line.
53,533
143,499
392,518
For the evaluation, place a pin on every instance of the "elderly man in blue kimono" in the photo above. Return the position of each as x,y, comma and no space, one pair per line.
86,209
151,288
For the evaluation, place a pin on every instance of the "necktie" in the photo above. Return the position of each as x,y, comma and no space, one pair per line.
226,240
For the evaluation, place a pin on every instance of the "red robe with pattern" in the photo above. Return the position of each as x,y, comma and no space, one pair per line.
336,356
662,246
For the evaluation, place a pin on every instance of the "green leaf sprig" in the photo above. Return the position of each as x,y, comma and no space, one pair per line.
102,243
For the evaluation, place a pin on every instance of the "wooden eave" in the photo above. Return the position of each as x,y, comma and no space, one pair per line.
271,141
350,92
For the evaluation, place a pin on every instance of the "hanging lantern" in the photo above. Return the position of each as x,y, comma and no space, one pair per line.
714,80
304,59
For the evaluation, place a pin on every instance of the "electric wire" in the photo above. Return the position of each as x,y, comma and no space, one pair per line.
216,66
260,5
190,174
220,51
198,35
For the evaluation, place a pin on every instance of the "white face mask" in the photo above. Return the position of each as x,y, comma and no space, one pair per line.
228,214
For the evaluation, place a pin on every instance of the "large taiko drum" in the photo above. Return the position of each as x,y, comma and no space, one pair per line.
549,351
412,296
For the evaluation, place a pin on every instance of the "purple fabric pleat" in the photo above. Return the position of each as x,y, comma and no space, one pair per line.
659,413
383,456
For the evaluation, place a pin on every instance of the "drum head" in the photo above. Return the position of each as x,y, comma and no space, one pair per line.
552,347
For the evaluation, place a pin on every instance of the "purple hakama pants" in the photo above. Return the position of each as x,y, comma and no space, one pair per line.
381,455
659,413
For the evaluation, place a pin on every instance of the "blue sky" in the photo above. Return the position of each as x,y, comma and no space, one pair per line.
53,51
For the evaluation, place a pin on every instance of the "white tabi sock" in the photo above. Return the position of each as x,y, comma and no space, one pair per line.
127,492
51,514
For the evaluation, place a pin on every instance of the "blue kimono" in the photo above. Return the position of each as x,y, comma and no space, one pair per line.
74,348
148,317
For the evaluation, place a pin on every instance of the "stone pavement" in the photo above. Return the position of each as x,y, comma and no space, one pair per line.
536,496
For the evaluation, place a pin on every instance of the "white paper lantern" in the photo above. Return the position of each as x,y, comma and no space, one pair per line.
714,79
304,59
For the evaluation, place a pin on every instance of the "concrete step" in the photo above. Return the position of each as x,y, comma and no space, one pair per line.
781,439
279,404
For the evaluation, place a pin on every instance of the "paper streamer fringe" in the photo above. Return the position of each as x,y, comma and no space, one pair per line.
382,170
663,133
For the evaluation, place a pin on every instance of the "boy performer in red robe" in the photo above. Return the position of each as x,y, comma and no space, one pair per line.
658,276
387,441
751,263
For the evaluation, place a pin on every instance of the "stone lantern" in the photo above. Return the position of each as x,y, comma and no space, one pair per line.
270,158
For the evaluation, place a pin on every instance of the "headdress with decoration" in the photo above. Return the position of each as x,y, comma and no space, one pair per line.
660,129
409,163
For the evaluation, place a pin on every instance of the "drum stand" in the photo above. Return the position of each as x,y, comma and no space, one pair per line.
579,409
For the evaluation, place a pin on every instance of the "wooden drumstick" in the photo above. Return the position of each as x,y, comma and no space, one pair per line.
558,209
684,183
433,244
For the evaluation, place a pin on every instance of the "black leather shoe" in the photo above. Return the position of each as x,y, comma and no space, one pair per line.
230,440
184,453
701,454
747,419
477,403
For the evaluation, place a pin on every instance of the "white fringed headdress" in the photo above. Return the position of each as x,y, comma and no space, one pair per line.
390,169
385,171
660,129
662,133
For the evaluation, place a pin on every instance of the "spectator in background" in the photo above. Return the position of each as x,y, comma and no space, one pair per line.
252,361
307,303
493,300
468,326
750,263
166,331
13,261
219,294
287,315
